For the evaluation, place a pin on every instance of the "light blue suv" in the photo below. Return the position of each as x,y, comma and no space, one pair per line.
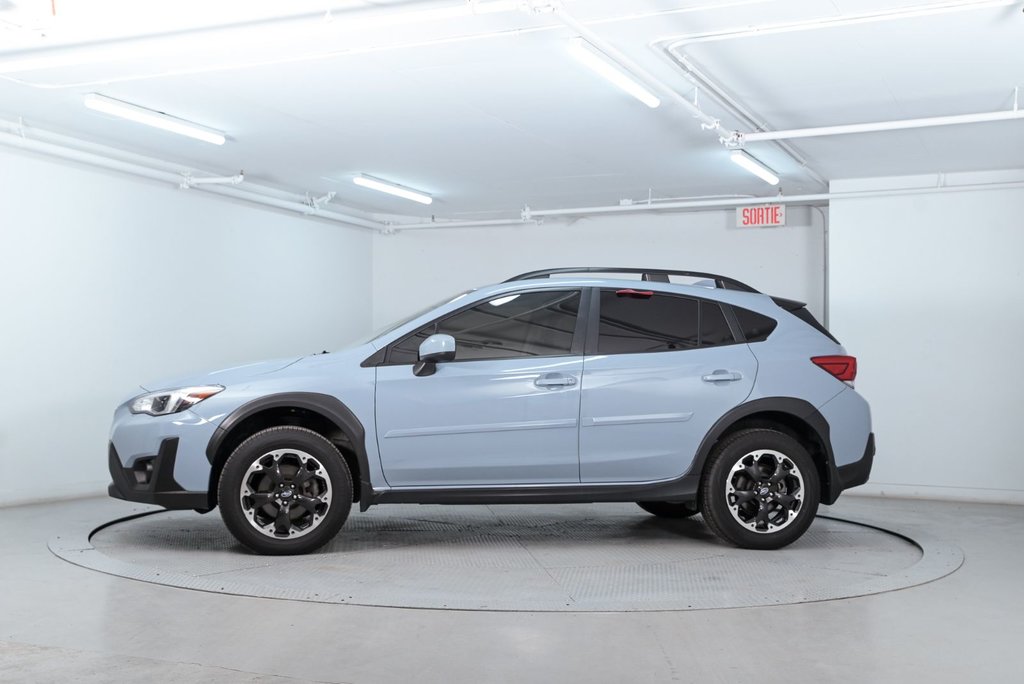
558,386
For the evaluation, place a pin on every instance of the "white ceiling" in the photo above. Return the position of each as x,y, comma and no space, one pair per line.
489,113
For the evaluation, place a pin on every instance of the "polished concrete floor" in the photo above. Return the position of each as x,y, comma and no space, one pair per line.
59,622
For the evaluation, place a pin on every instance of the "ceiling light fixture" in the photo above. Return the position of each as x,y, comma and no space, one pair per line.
741,158
392,189
149,117
597,62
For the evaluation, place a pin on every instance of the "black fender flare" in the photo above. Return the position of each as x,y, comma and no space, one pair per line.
797,408
327,406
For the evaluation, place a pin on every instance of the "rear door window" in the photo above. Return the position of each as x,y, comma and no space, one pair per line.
714,328
638,321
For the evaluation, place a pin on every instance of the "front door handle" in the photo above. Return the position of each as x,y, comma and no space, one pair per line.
722,376
552,380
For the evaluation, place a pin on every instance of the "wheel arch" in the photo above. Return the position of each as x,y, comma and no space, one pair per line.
794,417
321,413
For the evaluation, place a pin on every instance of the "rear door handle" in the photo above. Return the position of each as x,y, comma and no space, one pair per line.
552,380
722,376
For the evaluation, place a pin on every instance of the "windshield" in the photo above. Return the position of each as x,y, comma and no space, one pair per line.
395,326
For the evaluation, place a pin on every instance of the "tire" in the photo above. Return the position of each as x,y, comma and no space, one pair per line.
760,490
667,509
285,490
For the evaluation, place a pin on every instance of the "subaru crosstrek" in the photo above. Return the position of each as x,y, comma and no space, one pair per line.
559,386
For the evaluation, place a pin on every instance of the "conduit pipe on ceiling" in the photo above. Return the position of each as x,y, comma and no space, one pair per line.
685,204
707,122
817,199
792,200
897,125
71,154
294,206
915,11
673,48
702,81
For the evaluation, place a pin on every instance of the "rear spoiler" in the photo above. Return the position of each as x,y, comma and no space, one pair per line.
789,304
799,309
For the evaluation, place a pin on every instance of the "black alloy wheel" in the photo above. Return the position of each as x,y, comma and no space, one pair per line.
760,489
285,490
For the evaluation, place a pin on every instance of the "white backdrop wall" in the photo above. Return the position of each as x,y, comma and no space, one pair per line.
108,281
413,269
927,290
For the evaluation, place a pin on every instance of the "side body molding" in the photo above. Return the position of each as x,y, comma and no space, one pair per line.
801,415
324,404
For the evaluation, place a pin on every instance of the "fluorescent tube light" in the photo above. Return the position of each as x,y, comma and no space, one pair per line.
597,62
149,117
392,189
755,167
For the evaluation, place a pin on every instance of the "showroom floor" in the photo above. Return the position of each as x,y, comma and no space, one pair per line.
60,622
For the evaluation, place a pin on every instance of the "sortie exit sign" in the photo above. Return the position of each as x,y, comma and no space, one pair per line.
769,215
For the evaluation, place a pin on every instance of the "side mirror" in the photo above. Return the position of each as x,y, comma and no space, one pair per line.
433,350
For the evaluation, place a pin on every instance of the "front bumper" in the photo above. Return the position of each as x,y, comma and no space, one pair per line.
150,480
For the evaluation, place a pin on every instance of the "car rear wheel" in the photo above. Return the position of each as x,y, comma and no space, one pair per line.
761,489
668,509
285,490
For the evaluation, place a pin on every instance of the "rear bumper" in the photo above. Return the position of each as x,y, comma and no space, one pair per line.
150,480
858,472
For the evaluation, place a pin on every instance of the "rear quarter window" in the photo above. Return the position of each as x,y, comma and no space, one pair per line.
756,327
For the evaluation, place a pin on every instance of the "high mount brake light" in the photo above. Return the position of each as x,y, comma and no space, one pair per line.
636,294
842,367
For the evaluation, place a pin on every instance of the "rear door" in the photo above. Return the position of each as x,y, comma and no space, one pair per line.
660,370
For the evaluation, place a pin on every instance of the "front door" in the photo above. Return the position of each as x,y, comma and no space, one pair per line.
504,412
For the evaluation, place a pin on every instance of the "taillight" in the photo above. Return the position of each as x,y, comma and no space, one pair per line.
842,367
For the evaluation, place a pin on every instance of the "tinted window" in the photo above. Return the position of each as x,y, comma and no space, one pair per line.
714,329
660,322
512,326
755,327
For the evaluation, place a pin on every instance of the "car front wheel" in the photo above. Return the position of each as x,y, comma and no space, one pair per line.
285,490
761,489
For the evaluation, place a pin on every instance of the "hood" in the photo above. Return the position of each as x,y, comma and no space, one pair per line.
225,376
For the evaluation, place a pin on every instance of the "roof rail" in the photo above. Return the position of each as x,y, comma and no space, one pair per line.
650,274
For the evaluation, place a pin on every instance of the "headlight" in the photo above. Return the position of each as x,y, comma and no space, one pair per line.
166,402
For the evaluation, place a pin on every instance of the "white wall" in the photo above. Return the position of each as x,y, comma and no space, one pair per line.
413,269
107,281
927,290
